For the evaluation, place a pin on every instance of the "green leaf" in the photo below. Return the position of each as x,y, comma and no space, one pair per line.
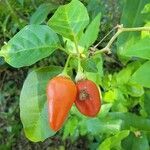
133,142
94,7
136,19
105,108
33,103
21,2
123,76
141,49
134,89
91,33
147,102
96,76
145,33
28,46
70,46
97,126
113,141
70,20
70,127
142,75
42,12
117,98
130,120
146,9
89,65
110,96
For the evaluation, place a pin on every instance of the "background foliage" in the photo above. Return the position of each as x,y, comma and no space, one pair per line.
124,120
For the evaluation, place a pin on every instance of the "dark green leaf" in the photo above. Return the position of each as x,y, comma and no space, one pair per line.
41,13
31,44
96,76
70,20
33,104
89,65
147,102
94,7
132,142
21,2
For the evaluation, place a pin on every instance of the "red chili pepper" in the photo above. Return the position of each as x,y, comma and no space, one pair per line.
61,94
88,98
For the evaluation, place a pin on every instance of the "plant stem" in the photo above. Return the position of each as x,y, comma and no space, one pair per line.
105,37
76,46
80,75
135,29
121,29
79,59
63,49
64,72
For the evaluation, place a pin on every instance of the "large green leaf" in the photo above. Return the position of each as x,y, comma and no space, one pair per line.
31,44
113,141
70,20
136,19
142,75
33,104
91,33
41,13
141,49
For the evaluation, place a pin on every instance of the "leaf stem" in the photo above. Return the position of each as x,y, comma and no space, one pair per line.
121,29
76,46
80,75
64,72
105,37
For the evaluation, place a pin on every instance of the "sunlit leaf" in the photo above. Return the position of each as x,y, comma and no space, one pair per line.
70,20
31,44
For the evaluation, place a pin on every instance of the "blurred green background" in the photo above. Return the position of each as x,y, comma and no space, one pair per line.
14,15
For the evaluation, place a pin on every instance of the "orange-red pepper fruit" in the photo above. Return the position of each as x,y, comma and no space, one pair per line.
61,94
88,98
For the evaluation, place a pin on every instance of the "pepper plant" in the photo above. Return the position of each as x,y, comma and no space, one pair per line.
73,31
